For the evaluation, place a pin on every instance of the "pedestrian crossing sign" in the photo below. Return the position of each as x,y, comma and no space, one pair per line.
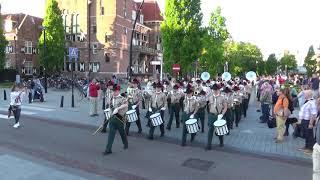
73,53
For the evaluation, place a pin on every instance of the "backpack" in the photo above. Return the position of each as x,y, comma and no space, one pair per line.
291,106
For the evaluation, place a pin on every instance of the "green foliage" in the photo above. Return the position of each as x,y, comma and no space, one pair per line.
289,61
3,44
271,65
243,57
181,33
52,56
213,43
309,63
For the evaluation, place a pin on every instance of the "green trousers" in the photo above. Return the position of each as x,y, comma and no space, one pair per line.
184,118
211,119
201,115
174,111
114,126
229,118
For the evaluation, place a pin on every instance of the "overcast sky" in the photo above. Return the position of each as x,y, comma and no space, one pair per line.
273,25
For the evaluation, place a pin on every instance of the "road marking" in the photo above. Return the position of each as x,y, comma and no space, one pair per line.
37,108
22,111
5,116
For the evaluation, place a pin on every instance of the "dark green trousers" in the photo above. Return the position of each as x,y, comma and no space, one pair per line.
211,119
237,114
200,116
229,118
114,126
174,111
138,122
184,118
152,128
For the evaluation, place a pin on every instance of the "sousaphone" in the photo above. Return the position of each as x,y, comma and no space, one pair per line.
251,76
205,76
226,76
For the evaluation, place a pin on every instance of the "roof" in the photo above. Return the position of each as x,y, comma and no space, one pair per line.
19,19
151,10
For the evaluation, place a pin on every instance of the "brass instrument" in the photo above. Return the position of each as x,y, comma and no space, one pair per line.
101,126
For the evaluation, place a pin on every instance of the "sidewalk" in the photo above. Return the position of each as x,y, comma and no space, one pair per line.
250,136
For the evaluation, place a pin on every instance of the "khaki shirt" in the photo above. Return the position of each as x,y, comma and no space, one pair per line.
216,103
117,101
135,95
237,96
190,105
245,94
202,100
158,100
175,96
248,89
108,95
229,99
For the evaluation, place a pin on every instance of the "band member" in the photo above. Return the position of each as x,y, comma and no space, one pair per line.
237,105
174,107
166,89
245,100
189,112
157,104
230,103
119,106
217,109
108,95
134,98
202,100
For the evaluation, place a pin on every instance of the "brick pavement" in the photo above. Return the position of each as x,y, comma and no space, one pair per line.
250,136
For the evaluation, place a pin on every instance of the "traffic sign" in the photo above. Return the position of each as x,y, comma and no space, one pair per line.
155,62
73,53
176,67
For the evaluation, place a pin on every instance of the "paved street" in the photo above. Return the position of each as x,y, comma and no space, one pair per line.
43,149
251,136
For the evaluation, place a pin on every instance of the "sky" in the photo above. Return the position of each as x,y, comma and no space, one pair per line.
273,25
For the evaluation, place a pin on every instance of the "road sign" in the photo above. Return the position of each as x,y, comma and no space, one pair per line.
176,67
155,62
73,53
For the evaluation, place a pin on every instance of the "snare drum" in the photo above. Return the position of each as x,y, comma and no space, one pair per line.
192,126
221,127
107,113
131,116
156,119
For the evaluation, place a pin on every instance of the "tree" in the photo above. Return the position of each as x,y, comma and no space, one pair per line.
3,44
52,56
181,33
271,64
288,62
213,43
309,63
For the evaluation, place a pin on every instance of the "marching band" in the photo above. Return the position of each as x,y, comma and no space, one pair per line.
222,101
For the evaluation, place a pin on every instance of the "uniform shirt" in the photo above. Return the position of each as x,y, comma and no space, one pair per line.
135,95
245,94
117,101
175,96
190,104
158,100
216,103
238,97
108,96
307,110
248,88
229,100
16,97
202,101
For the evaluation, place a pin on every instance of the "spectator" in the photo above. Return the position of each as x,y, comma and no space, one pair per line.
281,109
307,116
294,95
93,95
266,101
301,98
315,85
316,151
16,97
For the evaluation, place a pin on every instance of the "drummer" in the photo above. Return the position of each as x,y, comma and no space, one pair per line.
190,109
229,114
174,96
217,109
157,104
108,96
135,97
202,100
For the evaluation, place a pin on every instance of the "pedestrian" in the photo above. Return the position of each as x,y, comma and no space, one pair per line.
281,109
119,106
93,96
266,101
16,98
307,116
301,98
315,85
316,150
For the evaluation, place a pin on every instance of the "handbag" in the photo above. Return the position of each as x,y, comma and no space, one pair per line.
298,132
272,123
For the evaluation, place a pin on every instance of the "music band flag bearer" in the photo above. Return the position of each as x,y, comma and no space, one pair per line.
108,95
190,109
217,109
119,107
134,98
157,105
174,96
202,100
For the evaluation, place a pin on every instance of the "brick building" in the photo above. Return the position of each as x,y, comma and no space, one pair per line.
23,32
101,30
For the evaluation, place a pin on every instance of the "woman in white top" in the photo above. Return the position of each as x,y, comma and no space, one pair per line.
16,97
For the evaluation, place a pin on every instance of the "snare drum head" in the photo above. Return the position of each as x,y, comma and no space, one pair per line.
107,110
220,122
154,115
191,121
131,111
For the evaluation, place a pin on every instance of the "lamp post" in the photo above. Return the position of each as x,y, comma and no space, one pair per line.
44,58
15,54
132,33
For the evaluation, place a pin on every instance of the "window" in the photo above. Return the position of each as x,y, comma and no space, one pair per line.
93,25
107,38
125,31
28,45
134,14
102,11
28,67
94,48
75,24
8,64
107,57
141,19
124,13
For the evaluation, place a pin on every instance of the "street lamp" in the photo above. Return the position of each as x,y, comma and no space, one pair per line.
44,58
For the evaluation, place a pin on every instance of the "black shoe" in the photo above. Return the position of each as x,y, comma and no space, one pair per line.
140,131
258,110
286,133
178,126
208,148
183,144
125,146
228,133
236,125
221,145
162,134
106,153
168,128
103,131
202,131
150,137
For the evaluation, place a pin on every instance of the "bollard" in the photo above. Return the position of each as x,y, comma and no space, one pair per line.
4,95
72,100
30,97
61,103
103,103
